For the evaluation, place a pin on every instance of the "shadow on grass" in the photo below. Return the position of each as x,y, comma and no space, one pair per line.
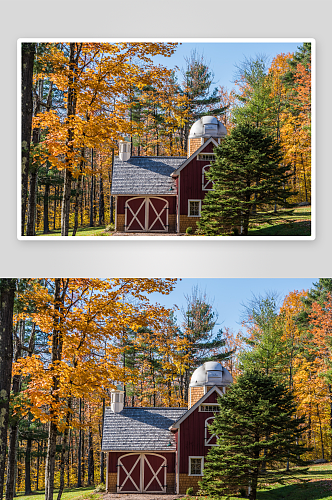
314,490
302,228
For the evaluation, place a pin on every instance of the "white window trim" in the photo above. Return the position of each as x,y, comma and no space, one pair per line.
202,466
208,404
208,438
200,208
204,159
206,182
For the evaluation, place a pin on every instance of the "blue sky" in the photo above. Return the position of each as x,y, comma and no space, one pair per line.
228,294
223,56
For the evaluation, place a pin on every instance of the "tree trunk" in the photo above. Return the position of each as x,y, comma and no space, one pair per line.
46,202
91,466
7,294
78,194
320,432
83,452
68,458
12,446
79,453
37,466
65,209
101,202
28,55
102,462
34,170
75,50
11,462
63,452
31,230
110,186
92,193
59,297
55,206
28,467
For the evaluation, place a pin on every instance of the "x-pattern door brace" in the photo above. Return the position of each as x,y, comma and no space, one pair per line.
155,475
128,474
157,214
135,215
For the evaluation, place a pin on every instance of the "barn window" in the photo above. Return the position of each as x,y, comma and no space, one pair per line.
196,466
213,407
209,439
194,208
207,184
207,156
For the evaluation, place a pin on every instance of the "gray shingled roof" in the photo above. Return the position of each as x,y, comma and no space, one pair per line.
145,175
140,429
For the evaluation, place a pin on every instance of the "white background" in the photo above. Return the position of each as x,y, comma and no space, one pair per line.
159,18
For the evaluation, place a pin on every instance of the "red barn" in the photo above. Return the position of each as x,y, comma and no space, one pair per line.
162,450
165,194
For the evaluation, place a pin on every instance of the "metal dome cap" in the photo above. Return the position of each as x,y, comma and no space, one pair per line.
209,374
207,126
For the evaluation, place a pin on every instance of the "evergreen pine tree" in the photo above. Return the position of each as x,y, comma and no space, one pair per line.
318,293
248,176
258,431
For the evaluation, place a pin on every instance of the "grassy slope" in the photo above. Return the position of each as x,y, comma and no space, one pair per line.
285,223
317,486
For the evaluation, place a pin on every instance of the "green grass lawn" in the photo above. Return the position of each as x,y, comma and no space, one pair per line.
316,485
284,223
68,494
85,231
295,222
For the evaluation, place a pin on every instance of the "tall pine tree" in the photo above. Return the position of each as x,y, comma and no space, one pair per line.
258,431
248,177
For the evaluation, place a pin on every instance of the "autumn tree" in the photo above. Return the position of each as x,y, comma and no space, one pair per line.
296,128
95,79
84,318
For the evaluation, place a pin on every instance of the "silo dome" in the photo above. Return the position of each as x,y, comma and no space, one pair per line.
209,374
207,126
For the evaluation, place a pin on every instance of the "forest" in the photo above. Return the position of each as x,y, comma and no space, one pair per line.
79,99
66,342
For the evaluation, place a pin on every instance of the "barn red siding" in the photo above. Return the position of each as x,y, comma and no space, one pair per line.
191,180
192,434
114,456
121,200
